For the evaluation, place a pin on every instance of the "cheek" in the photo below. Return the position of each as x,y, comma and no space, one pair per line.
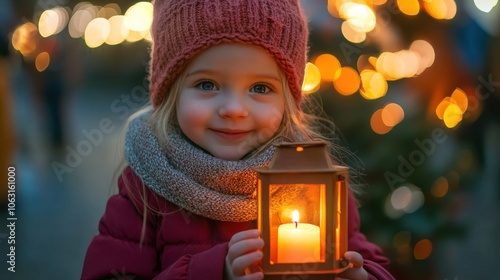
189,115
271,121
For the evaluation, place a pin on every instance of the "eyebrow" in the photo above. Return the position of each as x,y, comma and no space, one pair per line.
257,76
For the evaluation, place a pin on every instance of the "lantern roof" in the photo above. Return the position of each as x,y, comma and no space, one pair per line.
310,156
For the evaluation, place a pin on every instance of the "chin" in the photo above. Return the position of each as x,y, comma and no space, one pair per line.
229,155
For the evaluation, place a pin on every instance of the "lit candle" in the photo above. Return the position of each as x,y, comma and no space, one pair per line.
298,243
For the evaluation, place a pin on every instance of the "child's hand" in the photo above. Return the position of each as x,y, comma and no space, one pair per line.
244,255
355,270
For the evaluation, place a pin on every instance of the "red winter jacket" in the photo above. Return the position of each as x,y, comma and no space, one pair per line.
180,244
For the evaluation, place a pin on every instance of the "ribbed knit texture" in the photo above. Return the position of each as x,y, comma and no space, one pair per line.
183,28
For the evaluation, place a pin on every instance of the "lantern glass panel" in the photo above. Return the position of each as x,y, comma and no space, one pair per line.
297,223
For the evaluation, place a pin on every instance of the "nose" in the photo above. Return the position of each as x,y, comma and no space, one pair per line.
233,106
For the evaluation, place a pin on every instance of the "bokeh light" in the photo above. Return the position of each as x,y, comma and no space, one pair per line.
348,81
364,63
139,16
441,9
42,61
328,65
373,85
97,32
423,249
459,97
407,199
485,5
118,31
451,109
135,36
351,34
109,11
377,124
24,39
392,114
360,17
425,53
409,7
452,115
440,187
312,78
442,107
79,22
52,21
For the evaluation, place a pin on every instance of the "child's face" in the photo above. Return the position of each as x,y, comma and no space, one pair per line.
231,101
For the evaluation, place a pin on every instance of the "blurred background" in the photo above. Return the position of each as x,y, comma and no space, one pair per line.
413,87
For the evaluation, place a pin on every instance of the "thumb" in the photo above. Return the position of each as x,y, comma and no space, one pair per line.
354,258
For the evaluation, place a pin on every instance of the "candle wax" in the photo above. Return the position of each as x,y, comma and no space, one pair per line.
298,244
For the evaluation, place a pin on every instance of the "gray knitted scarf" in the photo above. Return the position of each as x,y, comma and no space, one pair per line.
193,179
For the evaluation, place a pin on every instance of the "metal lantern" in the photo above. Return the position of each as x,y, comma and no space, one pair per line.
302,211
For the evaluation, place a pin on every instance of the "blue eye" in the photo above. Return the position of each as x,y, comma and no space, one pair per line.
260,88
207,86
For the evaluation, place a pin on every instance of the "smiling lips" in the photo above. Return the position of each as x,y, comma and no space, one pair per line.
231,134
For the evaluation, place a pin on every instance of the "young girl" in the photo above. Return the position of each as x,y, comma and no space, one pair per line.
225,84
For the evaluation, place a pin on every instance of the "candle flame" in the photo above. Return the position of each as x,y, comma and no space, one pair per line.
295,217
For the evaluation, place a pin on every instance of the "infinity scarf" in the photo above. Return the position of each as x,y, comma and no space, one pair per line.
195,180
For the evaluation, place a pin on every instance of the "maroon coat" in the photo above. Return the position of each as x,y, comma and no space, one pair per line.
180,244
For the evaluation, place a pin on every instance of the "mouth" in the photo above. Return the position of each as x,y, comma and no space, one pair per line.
230,134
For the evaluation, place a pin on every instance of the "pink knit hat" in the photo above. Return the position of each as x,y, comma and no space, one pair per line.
183,28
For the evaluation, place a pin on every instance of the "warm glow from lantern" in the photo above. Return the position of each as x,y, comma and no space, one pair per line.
485,5
348,81
409,7
298,242
373,85
327,65
312,78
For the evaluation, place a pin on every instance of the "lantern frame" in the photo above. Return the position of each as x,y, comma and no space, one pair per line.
306,163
